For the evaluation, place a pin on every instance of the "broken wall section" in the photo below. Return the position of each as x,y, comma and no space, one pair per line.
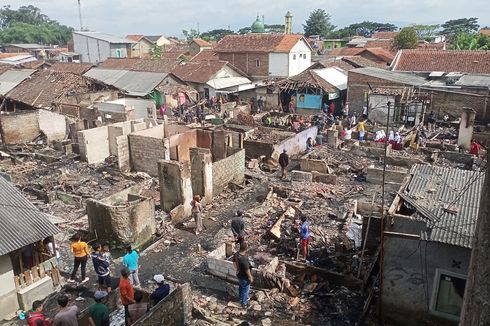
24,127
123,218
229,169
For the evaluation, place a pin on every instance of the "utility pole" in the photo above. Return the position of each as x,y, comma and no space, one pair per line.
476,308
80,16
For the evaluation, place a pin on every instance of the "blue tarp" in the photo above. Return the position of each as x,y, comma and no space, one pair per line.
308,101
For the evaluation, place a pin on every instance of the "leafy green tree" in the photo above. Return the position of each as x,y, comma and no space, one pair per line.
475,41
366,29
156,51
275,28
190,34
29,25
216,34
426,32
244,30
453,27
318,23
406,39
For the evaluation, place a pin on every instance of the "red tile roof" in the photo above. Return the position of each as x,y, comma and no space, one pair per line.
381,53
485,31
385,35
200,72
73,67
47,87
205,55
201,42
476,62
9,55
137,64
258,43
384,44
135,37
432,46
173,55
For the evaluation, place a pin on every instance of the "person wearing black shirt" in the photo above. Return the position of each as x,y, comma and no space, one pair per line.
238,227
244,274
284,162
431,121
161,291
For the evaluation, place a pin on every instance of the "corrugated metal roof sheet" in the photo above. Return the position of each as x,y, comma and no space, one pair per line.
11,78
135,83
334,76
397,77
434,188
220,83
21,223
105,37
18,59
474,80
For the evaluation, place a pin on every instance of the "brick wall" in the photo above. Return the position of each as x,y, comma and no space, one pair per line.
132,221
175,309
247,62
228,169
122,152
145,153
19,127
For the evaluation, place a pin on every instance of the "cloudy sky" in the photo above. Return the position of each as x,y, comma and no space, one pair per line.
121,17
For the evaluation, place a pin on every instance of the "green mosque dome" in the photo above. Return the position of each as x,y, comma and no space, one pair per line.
258,26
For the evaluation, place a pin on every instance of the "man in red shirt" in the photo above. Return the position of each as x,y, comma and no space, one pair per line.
474,148
35,317
126,291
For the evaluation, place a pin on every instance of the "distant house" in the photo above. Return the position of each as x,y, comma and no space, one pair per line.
266,55
36,50
485,31
330,44
462,61
378,55
95,47
159,40
212,78
68,57
197,45
29,272
142,46
427,245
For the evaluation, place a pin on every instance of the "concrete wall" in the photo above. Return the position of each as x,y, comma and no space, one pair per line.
279,64
132,221
123,156
94,144
19,127
139,107
52,124
310,165
175,185
465,133
296,144
219,266
230,169
180,145
8,295
255,149
36,291
202,173
146,151
405,276
175,309
297,60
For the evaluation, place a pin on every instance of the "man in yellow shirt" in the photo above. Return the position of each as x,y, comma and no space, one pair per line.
361,128
80,252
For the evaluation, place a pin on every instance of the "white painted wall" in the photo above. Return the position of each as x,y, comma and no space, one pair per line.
90,49
297,60
278,65
52,124
227,72
8,295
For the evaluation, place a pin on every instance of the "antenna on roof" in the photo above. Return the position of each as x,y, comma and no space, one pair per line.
80,16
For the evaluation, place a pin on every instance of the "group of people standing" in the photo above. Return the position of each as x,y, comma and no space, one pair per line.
130,294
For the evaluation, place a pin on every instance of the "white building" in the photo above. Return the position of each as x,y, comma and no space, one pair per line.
262,55
95,47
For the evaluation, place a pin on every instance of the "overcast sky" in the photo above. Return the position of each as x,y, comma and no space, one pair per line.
121,17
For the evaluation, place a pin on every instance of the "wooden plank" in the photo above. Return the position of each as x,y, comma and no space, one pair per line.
35,274
402,235
28,277
42,272
55,276
17,283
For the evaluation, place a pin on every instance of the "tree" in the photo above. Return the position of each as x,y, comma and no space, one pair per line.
275,28
156,51
475,41
426,32
190,34
366,29
452,28
318,24
216,34
244,30
406,39
29,25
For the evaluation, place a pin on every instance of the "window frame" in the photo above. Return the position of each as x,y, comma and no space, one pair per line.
435,292
257,63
